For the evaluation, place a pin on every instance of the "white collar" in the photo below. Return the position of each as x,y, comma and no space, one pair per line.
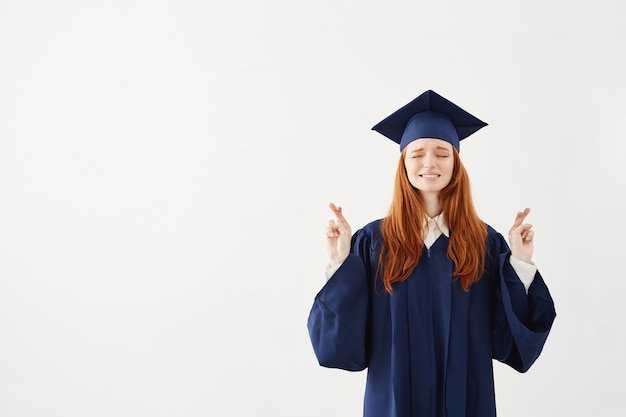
439,222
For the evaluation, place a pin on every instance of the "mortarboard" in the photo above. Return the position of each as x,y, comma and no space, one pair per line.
429,116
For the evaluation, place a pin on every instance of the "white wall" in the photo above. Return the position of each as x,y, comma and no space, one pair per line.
165,169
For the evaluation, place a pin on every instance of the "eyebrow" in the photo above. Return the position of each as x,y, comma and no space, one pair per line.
438,148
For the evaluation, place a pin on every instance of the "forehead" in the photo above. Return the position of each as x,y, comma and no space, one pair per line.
428,143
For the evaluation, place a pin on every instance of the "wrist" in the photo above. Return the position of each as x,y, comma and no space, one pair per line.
524,259
336,261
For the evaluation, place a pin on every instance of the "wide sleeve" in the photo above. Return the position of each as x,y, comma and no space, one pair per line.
337,321
521,322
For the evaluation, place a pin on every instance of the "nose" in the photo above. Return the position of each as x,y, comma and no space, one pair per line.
429,159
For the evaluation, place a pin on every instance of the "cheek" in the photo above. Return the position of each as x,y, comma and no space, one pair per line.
451,167
410,163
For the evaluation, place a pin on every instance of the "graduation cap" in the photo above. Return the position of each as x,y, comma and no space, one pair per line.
429,116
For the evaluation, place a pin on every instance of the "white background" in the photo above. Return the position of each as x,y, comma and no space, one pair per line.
165,170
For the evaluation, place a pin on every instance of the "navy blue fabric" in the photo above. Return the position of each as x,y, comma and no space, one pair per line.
429,347
430,124
440,118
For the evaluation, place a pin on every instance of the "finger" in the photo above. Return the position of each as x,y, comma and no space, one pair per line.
338,212
332,231
335,225
335,209
338,224
529,236
524,229
521,215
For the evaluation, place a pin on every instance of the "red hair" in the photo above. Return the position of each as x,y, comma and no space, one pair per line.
403,229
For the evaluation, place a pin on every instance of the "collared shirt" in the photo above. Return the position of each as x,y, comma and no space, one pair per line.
436,226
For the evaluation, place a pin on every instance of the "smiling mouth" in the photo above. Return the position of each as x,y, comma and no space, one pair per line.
430,175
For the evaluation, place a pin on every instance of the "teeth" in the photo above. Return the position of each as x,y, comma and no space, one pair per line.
430,175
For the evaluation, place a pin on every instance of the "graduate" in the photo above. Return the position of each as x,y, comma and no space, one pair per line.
427,297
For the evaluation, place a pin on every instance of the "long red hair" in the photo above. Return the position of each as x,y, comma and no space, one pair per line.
403,229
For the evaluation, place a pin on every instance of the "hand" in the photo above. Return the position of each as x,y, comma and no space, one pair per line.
338,237
521,238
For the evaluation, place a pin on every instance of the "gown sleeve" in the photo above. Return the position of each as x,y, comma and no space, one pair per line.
337,321
521,322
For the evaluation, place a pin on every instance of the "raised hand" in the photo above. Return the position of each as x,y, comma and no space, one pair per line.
338,237
521,238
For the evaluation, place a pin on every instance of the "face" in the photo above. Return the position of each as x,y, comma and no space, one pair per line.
429,164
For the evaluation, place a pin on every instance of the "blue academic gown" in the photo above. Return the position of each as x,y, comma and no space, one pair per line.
429,346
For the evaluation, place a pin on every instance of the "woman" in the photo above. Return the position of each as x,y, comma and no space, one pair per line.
428,296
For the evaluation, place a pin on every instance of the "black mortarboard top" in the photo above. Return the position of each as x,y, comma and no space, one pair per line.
429,116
